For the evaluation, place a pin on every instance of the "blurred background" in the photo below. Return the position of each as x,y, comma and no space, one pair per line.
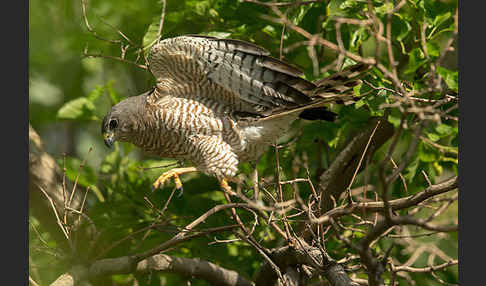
59,72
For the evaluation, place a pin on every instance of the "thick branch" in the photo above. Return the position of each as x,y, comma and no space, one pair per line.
197,268
303,254
334,181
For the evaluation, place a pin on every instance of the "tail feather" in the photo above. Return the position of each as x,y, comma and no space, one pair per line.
337,88
318,113
347,74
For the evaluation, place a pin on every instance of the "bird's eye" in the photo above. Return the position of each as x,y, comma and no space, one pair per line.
113,123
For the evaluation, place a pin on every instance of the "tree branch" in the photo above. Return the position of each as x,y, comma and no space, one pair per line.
197,268
334,181
398,204
183,235
303,254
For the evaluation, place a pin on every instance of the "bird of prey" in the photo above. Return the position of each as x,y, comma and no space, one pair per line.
219,102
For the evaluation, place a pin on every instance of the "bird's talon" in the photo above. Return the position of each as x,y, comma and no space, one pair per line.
226,188
174,173
178,182
160,181
181,191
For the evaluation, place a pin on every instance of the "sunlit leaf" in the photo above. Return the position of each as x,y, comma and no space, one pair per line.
80,108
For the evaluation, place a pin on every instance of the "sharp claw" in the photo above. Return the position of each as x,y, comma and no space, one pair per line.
226,188
181,191
155,186
174,174
178,182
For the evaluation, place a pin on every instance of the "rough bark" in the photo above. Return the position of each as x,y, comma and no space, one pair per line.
303,254
197,268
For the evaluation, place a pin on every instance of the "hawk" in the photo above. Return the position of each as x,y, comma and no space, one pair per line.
219,102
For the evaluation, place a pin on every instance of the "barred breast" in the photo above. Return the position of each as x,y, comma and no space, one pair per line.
178,122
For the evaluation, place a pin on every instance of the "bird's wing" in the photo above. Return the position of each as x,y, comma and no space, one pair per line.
233,72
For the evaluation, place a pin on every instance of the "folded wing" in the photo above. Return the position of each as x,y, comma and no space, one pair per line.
230,71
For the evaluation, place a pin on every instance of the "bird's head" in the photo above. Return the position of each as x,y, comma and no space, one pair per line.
109,128
121,122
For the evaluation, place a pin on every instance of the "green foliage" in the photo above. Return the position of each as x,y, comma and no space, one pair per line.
84,108
450,77
80,108
121,200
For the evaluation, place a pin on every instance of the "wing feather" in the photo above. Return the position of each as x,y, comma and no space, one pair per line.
243,70
242,75
234,45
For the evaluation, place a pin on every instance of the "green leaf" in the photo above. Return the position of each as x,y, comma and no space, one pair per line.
433,49
97,92
359,103
438,168
433,136
151,35
395,120
80,109
232,250
111,161
114,96
445,130
345,8
438,20
411,169
301,14
202,7
87,176
270,30
400,27
427,154
359,36
384,9
450,77
416,59
357,90
213,13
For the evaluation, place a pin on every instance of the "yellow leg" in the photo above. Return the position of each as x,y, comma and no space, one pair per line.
174,173
226,188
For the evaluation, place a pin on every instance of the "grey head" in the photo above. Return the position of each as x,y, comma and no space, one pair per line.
121,122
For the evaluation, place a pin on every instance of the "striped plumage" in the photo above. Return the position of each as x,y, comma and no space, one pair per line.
218,102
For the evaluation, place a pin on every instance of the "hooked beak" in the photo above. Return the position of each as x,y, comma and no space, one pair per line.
109,140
